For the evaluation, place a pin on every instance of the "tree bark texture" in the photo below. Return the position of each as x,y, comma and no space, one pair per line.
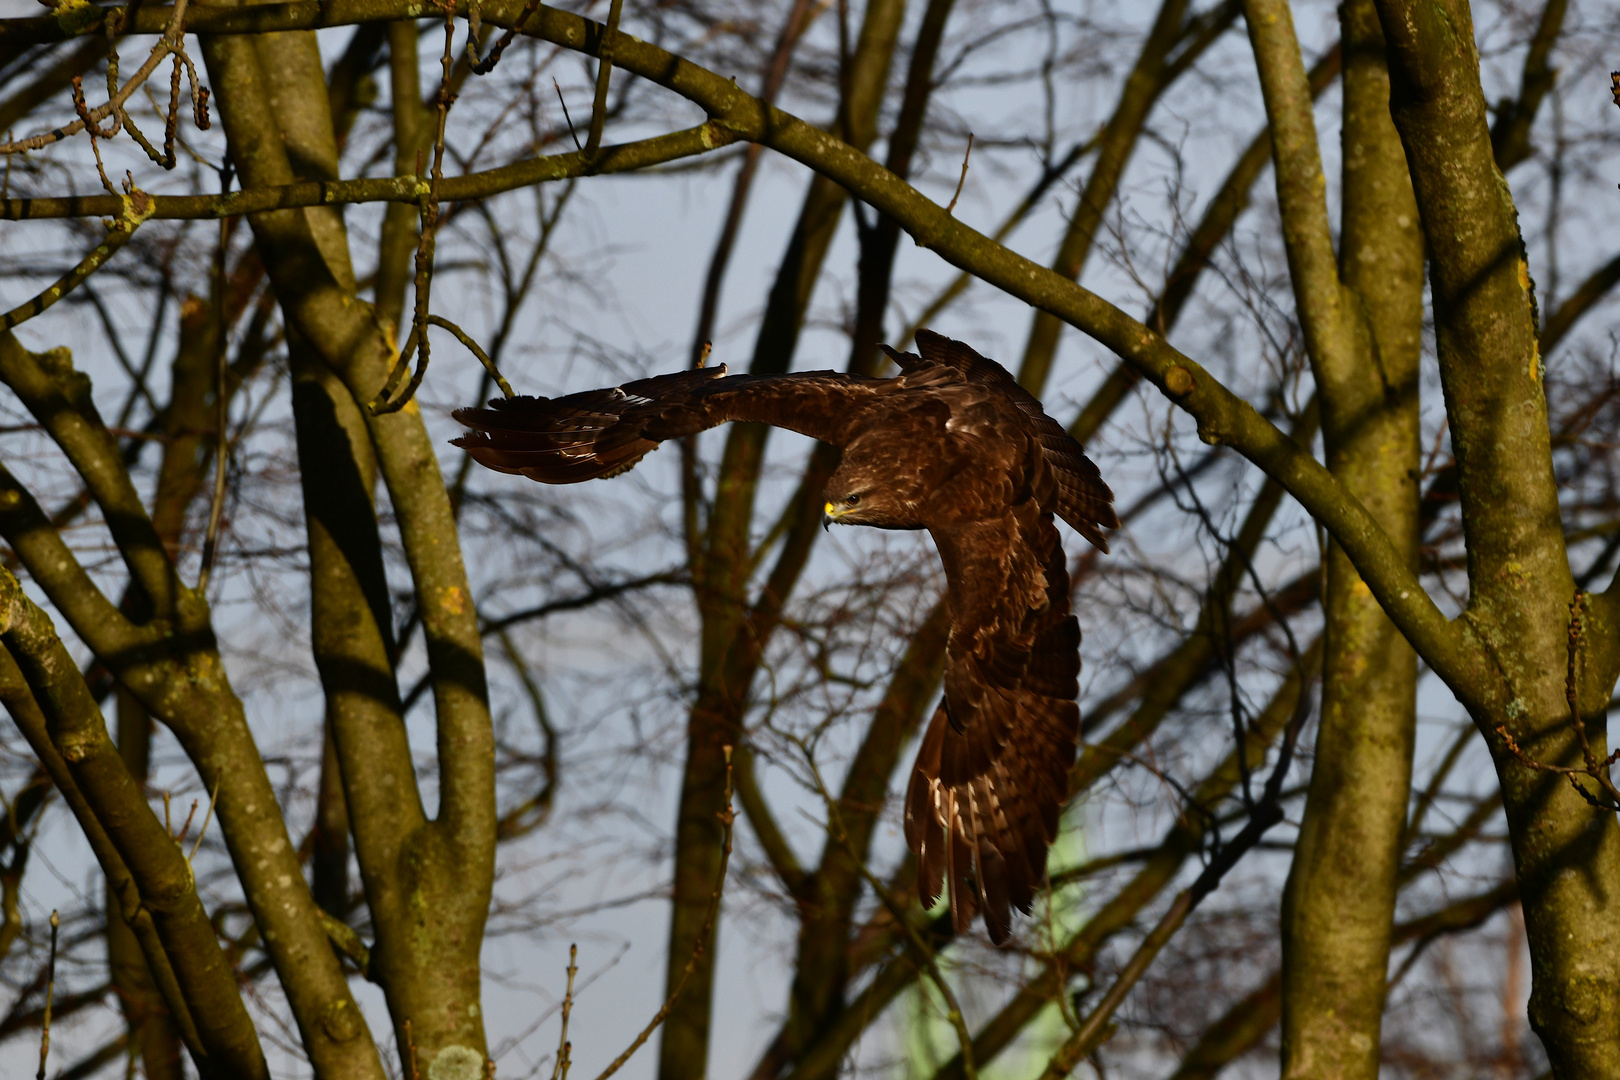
427,882
1567,852
151,1029
1340,898
173,667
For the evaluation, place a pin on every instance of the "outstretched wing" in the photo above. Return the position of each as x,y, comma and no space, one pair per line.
992,772
605,432
1084,501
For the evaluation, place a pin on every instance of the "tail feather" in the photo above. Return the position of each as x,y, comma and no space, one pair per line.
987,833
963,890
925,820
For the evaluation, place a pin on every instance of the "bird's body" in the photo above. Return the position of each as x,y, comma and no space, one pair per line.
952,445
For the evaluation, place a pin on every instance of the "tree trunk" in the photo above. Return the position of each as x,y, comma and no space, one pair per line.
1340,898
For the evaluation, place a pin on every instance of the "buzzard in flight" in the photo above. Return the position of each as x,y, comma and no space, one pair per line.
953,445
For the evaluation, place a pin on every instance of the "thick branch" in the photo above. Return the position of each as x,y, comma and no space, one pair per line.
156,866
1582,300
271,104
1333,333
1172,676
1222,416
1518,568
59,398
778,851
1242,1026
1340,897
733,636
55,569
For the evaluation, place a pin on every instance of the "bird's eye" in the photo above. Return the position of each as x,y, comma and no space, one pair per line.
852,500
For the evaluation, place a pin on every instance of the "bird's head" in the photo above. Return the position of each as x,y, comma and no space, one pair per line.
872,487
845,509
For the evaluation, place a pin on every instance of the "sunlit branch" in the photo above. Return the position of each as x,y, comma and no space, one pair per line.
122,229
400,189
156,866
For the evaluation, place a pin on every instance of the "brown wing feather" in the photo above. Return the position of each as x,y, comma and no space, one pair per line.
991,775
605,432
1084,501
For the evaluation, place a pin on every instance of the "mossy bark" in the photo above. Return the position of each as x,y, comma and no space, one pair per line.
1340,899
427,882
152,1032
1567,852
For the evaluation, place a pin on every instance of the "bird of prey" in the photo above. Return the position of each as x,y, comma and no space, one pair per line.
953,445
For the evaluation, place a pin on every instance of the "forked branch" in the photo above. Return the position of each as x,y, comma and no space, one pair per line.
1607,797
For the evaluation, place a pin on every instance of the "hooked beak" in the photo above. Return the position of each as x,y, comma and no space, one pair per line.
830,514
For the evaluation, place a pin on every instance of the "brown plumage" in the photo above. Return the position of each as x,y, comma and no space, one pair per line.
952,445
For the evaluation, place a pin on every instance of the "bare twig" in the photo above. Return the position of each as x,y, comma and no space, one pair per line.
727,817
596,594
1570,774
472,347
346,941
1266,812
137,208
639,154
559,1071
50,992
487,64
18,828
170,44
569,120
960,180
604,73
216,505
954,1014
101,167
533,811
1598,770
798,20
427,236
186,827
171,114
94,131
1608,796
213,797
